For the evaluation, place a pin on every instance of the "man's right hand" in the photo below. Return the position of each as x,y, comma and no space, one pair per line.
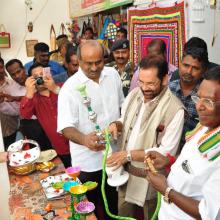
159,161
30,86
113,130
91,141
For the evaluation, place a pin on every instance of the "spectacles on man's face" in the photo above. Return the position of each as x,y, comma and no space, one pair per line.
149,85
208,103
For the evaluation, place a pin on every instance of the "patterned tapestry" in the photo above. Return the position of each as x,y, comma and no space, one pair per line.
167,24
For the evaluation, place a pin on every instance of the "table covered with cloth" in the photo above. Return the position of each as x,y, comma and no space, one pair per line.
27,199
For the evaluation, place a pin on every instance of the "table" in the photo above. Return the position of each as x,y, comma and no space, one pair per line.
27,198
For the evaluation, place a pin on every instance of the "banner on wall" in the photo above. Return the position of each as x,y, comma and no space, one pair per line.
78,8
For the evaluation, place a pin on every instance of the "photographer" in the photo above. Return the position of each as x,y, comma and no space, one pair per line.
41,100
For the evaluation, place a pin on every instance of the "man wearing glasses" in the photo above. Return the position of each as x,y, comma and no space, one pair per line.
152,118
192,67
191,190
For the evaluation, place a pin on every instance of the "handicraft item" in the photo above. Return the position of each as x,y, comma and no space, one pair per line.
21,160
93,118
150,165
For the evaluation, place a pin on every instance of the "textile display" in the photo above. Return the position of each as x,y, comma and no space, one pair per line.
111,31
167,24
4,37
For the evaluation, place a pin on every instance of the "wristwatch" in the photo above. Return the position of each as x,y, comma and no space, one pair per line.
166,195
128,158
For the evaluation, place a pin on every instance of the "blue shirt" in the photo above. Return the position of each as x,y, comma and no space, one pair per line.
191,117
55,68
60,78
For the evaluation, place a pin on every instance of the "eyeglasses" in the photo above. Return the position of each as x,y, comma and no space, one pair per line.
151,84
208,103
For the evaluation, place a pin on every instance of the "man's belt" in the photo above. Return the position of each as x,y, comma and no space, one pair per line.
135,171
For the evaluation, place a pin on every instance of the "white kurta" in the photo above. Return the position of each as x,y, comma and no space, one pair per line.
106,99
170,137
200,183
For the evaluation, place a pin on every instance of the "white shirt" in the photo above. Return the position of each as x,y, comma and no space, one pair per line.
106,99
12,88
202,183
170,136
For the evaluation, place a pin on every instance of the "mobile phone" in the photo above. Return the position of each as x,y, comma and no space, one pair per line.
46,72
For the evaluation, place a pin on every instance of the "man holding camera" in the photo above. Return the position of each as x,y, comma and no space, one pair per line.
30,128
41,100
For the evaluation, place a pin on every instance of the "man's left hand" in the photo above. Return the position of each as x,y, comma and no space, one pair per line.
117,159
158,181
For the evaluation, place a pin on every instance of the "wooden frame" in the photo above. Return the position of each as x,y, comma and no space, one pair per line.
30,47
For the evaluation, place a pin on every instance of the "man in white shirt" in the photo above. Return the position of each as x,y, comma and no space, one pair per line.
104,88
9,106
191,190
152,117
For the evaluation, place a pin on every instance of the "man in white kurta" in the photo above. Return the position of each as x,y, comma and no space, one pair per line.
104,89
191,190
199,184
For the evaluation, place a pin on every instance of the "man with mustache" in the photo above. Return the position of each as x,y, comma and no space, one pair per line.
42,56
120,51
192,67
78,120
9,106
152,118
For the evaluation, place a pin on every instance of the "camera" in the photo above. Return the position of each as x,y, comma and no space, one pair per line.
39,80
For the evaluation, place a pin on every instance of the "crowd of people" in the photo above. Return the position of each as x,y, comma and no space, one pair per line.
154,110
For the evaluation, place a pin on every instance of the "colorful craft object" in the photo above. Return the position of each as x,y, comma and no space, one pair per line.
19,157
90,185
67,185
85,208
73,172
78,190
111,31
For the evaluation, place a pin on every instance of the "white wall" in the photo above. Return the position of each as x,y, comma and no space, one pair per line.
15,16
205,30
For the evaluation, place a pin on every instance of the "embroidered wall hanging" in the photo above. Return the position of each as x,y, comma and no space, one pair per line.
167,24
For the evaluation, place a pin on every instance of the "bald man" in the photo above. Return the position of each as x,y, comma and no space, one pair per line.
104,88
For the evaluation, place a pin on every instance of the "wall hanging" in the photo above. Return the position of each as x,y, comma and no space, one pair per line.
5,41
